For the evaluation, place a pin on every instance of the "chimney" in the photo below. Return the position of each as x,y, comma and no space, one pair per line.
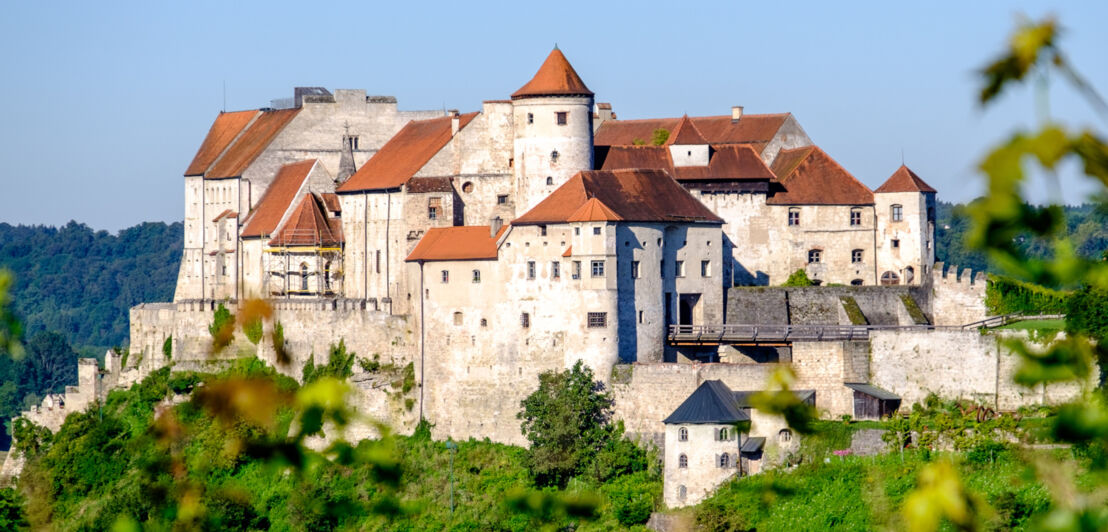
736,113
455,122
494,226
604,112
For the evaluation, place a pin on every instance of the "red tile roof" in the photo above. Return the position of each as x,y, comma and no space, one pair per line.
904,180
634,195
556,77
226,212
331,201
404,154
222,132
250,143
594,210
755,130
811,177
469,242
430,184
277,199
685,133
726,162
307,226
568,252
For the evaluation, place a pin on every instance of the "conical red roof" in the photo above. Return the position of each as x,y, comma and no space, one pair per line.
904,180
555,77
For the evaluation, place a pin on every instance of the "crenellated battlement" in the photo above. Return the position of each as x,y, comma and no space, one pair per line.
957,299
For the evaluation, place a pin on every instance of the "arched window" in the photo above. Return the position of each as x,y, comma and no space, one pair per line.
304,276
467,187
889,278
682,461
549,180
683,434
785,436
554,157
909,274
725,460
722,434
681,492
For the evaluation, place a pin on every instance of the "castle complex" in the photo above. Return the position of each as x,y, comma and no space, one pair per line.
485,248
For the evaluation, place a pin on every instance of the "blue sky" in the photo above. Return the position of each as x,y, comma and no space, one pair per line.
106,102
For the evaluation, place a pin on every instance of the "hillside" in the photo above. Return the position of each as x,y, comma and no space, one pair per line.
81,283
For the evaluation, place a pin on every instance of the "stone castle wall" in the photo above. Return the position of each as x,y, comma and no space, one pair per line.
957,299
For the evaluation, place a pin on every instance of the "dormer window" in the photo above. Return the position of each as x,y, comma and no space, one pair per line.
561,117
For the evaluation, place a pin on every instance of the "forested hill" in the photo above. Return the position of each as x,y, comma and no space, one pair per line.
80,282
1086,226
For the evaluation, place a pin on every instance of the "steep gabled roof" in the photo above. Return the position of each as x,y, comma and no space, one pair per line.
556,77
755,130
635,195
307,226
277,199
811,177
468,242
404,154
727,162
712,402
685,133
250,143
904,180
224,130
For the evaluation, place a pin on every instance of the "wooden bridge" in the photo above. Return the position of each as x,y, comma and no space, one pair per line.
768,335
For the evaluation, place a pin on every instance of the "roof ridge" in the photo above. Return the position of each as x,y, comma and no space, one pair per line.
687,132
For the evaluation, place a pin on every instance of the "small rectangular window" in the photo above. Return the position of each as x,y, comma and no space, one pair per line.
705,268
577,230
596,230
542,230
501,199
476,276
680,268
378,261
814,256
662,268
530,118
524,320
640,316
896,242
562,117
855,217
598,319
576,269
898,213
598,268
555,270
433,206
634,269
794,217
457,318
856,256
530,269
445,276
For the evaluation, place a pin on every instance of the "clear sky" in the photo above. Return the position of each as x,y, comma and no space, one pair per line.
105,103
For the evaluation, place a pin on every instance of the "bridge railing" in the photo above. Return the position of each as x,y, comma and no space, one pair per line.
726,333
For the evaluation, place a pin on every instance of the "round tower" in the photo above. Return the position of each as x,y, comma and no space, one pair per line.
552,115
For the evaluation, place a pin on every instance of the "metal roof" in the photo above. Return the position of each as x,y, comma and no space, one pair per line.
872,391
712,402
753,445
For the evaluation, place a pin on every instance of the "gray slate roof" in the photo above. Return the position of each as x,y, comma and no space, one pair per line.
872,391
712,402
753,445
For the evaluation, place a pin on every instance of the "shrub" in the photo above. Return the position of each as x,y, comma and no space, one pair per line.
1087,313
221,322
12,515
253,330
799,278
659,137
1004,295
340,365
167,347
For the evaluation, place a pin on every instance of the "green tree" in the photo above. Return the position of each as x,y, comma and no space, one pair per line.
50,365
568,421
12,515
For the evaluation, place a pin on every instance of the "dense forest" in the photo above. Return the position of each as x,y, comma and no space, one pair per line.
72,290
1086,227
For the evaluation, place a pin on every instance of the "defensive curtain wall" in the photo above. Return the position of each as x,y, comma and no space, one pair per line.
899,354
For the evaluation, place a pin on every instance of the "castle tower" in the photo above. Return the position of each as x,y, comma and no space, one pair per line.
905,207
552,115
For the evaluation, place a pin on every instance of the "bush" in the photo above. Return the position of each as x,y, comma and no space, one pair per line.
253,330
1004,295
1087,313
340,365
221,322
799,278
633,497
167,347
12,515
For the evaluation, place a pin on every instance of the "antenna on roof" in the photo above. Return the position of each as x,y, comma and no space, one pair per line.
224,96
555,45
901,156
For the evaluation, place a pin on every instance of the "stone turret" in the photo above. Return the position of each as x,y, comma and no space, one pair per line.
553,119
